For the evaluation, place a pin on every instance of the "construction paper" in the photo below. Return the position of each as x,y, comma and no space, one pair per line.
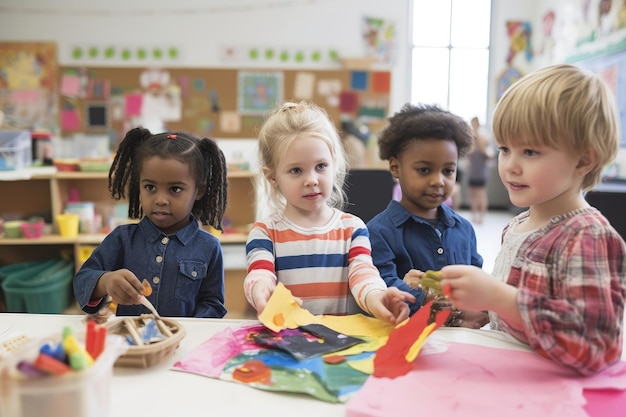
478,381
306,341
395,358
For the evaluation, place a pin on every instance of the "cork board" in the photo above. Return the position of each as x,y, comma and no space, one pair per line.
217,103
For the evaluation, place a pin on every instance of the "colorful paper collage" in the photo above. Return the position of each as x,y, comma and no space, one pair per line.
324,372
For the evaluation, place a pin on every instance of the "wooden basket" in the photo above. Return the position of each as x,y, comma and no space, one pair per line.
146,355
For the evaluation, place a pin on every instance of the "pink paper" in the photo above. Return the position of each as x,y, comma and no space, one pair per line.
477,381
70,120
209,358
132,104
70,85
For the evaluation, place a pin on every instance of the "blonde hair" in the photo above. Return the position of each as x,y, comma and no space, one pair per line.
284,125
561,106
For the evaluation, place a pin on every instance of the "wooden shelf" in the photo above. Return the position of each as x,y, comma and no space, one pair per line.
45,192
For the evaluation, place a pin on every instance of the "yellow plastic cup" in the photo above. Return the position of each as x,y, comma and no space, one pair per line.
67,224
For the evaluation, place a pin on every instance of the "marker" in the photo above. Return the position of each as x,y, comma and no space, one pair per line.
90,338
100,341
50,365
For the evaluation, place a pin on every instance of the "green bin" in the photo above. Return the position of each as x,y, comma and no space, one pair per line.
38,289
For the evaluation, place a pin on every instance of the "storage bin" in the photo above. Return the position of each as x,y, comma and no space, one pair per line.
15,150
46,290
83,393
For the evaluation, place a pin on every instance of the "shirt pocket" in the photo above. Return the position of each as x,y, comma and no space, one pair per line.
189,280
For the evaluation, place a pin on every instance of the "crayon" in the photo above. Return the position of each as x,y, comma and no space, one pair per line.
70,344
54,350
30,370
50,365
79,360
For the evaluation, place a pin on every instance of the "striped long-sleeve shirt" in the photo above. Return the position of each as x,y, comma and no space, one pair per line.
328,267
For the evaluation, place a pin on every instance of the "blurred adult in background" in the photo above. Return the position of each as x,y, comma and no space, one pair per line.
478,171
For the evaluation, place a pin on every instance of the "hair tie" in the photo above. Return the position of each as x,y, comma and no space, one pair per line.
173,137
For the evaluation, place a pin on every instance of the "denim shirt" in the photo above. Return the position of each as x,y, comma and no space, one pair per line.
185,269
402,241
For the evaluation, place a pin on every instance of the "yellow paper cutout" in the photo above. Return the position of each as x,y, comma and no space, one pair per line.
415,348
282,307
283,303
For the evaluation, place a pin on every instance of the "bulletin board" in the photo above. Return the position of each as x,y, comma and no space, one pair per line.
216,103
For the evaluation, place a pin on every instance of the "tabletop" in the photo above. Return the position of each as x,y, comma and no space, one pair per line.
160,391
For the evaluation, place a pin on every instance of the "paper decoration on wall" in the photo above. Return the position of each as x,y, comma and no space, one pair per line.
279,54
259,92
348,102
379,39
520,34
358,80
304,86
285,354
381,82
144,54
29,85
230,121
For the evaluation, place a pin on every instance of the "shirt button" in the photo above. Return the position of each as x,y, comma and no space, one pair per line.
165,240
159,259
194,274
440,251
156,280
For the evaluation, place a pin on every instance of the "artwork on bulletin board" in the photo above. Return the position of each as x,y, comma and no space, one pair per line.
259,92
612,69
28,85
209,102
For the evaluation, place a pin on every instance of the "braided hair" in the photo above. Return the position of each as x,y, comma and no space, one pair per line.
205,160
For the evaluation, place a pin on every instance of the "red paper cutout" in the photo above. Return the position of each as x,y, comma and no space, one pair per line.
390,360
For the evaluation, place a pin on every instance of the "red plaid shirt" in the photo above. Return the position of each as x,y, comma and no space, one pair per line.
572,285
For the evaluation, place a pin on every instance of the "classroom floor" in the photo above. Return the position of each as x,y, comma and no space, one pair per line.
489,234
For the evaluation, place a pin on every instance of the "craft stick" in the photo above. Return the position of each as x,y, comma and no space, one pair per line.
132,331
164,328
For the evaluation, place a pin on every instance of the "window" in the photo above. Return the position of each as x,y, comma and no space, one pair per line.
450,58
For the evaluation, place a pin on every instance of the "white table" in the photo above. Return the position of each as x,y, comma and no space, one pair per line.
174,393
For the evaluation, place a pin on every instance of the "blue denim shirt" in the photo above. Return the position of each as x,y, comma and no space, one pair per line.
185,269
402,241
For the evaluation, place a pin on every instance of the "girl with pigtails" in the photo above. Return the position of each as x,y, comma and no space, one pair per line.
173,182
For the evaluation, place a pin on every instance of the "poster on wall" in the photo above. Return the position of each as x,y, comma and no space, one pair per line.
28,85
259,92
612,69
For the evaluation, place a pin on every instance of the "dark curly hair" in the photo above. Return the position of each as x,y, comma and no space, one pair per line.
206,163
423,121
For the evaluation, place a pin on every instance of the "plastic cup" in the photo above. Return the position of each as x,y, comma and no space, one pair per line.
68,224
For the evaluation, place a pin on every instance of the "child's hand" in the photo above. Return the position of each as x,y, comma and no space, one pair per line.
261,293
389,305
469,287
122,285
413,277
